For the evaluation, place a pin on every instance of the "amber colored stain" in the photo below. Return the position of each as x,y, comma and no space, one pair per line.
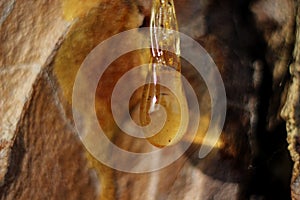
77,8
96,20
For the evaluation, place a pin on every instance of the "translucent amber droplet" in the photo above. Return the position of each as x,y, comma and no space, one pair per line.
157,97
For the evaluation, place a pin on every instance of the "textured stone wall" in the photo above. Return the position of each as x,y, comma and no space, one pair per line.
291,112
40,155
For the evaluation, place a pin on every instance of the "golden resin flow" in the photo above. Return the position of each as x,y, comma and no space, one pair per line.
155,96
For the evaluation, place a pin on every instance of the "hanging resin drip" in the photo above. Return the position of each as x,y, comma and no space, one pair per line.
159,102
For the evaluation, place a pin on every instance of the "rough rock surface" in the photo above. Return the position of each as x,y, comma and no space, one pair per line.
47,161
291,111
40,156
27,42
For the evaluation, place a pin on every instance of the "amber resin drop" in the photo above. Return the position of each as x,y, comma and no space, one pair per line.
157,99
